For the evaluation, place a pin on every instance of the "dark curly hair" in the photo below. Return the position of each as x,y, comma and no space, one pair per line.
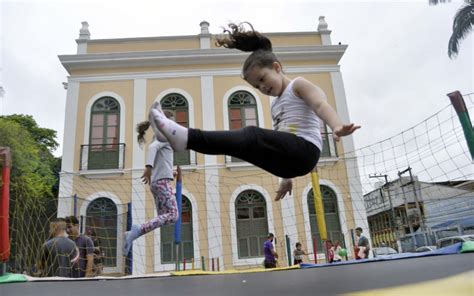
249,40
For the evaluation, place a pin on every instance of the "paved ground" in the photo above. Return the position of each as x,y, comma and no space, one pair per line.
312,281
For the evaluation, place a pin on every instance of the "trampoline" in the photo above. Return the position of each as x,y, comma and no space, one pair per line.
323,280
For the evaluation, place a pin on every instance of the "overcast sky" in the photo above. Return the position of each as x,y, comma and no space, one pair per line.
396,69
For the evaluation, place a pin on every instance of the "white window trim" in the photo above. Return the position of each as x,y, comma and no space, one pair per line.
87,122
233,223
342,215
225,110
196,243
189,99
120,222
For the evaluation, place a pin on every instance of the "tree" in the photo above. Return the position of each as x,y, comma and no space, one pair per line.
32,181
462,25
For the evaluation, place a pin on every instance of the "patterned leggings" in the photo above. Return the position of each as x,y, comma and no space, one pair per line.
165,203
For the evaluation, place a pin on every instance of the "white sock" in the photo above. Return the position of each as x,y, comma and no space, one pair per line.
176,134
159,136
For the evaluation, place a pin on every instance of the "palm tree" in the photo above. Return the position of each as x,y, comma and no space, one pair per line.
462,25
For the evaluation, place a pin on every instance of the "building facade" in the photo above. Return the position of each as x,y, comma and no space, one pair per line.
228,205
407,213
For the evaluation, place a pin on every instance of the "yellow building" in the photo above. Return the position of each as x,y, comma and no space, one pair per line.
228,205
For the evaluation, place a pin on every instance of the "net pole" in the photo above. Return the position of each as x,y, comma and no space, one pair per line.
288,249
177,227
460,106
5,163
318,206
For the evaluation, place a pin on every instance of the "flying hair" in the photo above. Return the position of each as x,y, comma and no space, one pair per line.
249,41
245,40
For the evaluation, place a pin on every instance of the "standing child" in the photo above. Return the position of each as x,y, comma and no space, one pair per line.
337,250
293,147
298,254
159,174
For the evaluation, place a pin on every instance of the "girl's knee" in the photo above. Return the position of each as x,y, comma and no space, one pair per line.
174,217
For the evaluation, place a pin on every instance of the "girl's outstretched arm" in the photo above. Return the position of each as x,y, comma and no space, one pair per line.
315,97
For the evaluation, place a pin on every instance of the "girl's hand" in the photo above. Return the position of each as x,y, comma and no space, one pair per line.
344,130
146,177
286,185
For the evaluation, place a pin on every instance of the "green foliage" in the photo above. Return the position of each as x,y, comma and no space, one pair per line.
44,137
31,174
462,25
33,186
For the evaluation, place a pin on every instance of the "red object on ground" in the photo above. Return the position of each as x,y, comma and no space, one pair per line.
5,160
315,251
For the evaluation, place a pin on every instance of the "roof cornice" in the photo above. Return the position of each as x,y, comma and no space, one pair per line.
179,37
194,57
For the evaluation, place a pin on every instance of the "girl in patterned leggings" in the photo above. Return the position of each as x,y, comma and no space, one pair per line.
159,174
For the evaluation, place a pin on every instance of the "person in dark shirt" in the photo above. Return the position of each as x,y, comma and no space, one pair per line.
99,254
84,268
363,242
58,254
269,251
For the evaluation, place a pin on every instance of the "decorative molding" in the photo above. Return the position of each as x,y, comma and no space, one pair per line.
194,73
194,57
99,174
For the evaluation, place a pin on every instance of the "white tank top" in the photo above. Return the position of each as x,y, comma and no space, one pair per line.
291,114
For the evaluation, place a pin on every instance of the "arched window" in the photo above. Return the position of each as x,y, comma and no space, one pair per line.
168,251
177,104
104,134
101,219
252,223
242,112
329,146
331,215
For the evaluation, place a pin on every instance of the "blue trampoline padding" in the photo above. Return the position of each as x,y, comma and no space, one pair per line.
453,249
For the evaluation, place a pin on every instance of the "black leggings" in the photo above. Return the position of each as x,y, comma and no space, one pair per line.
282,154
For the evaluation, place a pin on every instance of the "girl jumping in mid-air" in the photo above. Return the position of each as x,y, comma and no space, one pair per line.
292,149
159,174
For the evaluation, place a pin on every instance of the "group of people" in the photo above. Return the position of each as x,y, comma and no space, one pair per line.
68,253
335,251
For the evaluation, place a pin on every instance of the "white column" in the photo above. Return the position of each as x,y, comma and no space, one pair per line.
211,174
65,200
138,188
355,186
